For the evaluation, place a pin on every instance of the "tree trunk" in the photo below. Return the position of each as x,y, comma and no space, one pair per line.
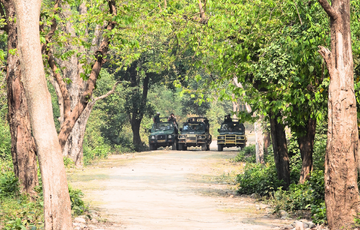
135,127
56,194
306,145
341,189
71,116
259,141
74,144
23,150
75,152
267,141
280,149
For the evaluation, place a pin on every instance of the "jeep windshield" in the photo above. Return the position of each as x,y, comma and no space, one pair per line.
232,127
193,127
162,126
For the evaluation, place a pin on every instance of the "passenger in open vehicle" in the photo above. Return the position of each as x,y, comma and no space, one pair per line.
228,118
156,118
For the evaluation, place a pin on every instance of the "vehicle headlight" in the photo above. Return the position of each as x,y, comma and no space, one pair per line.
169,136
201,137
153,137
239,138
182,136
221,137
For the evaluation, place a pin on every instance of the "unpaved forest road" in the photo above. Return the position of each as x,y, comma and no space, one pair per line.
171,190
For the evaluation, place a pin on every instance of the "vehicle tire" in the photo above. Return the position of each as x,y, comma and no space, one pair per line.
185,148
242,146
207,147
220,147
153,147
204,147
175,145
180,146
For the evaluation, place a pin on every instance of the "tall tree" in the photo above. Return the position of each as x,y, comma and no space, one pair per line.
56,194
75,98
341,189
23,148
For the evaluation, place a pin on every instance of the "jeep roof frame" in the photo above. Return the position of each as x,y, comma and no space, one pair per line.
196,119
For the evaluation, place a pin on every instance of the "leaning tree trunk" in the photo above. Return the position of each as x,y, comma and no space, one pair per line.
306,145
341,188
280,149
23,148
76,152
56,194
74,145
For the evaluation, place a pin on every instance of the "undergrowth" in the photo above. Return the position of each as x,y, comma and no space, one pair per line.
19,211
262,179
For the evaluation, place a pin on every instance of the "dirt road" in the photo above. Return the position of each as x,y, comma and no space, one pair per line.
171,190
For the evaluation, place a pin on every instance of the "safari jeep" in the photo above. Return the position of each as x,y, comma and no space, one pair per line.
163,134
231,134
195,132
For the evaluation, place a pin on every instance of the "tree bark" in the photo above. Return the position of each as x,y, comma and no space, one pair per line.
56,194
23,150
306,145
135,127
74,147
138,113
76,95
341,189
259,137
266,141
100,55
280,149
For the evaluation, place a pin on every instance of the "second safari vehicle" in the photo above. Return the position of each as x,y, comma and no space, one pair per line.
231,134
195,132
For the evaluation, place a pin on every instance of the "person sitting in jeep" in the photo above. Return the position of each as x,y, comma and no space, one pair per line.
172,119
228,118
156,118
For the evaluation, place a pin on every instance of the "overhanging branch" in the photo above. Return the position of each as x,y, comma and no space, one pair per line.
328,9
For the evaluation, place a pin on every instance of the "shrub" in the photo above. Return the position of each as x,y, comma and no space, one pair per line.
307,196
9,185
78,206
247,154
260,179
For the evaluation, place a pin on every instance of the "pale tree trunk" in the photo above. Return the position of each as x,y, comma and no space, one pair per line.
56,194
259,137
341,189
23,150
306,145
280,149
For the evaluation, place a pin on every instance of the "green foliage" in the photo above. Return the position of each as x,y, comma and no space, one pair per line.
68,162
78,206
247,154
260,179
301,196
9,185
5,138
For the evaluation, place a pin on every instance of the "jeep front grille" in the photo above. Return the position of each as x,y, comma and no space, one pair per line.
161,137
